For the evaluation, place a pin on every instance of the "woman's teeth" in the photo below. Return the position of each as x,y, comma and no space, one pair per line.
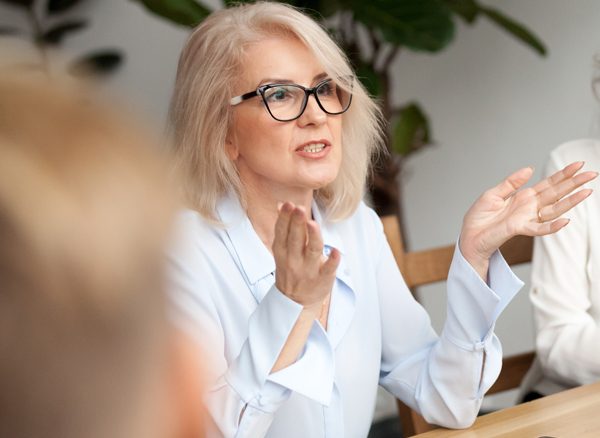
313,148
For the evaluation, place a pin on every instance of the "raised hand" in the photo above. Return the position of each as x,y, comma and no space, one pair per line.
303,273
505,211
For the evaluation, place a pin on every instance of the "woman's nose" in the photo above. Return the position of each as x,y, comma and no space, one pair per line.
313,114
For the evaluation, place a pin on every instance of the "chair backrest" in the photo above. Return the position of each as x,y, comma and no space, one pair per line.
430,266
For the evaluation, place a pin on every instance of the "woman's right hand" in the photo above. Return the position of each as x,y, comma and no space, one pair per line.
303,273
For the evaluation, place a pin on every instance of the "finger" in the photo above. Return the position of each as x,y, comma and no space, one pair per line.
566,172
548,227
512,183
557,191
282,226
296,239
332,263
553,211
314,246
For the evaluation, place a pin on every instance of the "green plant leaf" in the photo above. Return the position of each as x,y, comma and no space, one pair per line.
22,3
98,63
516,29
183,12
229,3
58,6
468,10
423,25
369,78
317,9
55,35
411,129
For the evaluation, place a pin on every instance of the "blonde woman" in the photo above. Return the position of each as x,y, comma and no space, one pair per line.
288,275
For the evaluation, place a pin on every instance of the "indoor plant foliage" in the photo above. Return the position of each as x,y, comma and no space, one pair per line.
50,22
373,33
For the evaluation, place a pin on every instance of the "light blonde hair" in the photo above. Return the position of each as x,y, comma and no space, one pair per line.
200,113
85,210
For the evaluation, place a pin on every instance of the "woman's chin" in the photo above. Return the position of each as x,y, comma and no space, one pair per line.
322,182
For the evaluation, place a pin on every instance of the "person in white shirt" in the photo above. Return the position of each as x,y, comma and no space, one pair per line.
286,273
565,289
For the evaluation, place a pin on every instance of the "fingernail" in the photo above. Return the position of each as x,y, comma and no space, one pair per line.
532,168
279,205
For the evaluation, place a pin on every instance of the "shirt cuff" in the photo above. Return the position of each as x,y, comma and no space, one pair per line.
301,377
268,330
473,305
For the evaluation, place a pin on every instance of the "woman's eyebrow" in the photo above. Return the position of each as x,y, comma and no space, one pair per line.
289,81
275,81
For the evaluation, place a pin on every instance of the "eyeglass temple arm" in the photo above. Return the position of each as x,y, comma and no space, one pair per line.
239,99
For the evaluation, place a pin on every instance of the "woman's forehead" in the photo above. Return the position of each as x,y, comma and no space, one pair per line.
280,58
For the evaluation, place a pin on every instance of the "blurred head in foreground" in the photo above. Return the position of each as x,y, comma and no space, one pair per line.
85,212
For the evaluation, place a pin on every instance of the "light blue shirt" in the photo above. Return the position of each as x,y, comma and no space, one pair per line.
224,294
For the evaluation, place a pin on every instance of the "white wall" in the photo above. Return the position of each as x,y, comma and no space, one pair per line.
495,106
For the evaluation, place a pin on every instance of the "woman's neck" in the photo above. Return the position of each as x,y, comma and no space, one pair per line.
262,209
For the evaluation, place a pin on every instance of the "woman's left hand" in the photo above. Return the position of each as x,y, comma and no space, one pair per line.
505,211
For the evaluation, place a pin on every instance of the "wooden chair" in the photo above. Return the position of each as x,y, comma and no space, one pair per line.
430,266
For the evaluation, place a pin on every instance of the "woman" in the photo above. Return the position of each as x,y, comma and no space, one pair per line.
565,290
288,274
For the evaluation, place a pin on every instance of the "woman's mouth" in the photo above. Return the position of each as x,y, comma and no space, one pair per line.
314,147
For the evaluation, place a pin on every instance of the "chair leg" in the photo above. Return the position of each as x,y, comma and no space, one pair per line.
412,422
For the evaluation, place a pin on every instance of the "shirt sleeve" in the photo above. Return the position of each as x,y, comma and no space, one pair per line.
244,395
567,337
444,378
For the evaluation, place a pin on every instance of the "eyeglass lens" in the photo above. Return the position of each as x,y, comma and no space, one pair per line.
287,102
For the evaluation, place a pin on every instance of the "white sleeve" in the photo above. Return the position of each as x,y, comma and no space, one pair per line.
444,378
244,395
568,337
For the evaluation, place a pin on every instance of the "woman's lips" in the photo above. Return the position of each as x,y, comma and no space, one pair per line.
314,149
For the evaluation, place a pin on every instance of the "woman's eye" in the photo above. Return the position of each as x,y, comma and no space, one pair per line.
327,89
278,95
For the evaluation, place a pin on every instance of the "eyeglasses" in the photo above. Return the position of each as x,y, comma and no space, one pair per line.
287,102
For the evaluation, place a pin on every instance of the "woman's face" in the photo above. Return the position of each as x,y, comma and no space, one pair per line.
300,155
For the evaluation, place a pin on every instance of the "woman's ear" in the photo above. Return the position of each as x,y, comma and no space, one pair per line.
231,147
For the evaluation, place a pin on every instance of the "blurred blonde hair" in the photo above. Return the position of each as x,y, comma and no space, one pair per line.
200,113
85,210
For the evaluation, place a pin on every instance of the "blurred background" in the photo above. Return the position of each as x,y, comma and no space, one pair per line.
492,101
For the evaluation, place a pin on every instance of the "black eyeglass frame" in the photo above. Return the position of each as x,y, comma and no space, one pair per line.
260,91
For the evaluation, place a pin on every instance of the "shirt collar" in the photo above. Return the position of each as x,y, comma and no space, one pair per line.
256,260
330,236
